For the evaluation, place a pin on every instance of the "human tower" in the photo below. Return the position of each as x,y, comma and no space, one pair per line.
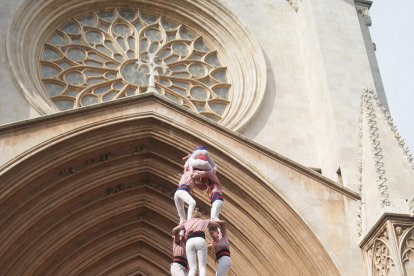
189,243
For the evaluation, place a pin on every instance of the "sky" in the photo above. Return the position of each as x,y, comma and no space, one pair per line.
392,31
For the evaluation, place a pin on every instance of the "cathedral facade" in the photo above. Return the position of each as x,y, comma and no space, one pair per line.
101,100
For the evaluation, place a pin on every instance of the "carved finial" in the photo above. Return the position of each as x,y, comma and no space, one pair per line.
295,4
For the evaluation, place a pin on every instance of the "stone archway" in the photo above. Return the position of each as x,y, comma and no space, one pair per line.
98,200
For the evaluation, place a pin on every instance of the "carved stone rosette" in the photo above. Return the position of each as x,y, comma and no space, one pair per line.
93,52
389,246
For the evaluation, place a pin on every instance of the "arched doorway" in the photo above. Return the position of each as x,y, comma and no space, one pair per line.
98,201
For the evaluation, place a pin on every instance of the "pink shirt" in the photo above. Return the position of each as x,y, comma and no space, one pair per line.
199,179
215,188
179,248
210,180
222,242
187,178
195,225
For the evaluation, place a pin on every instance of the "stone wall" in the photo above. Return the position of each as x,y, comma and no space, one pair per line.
13,106
316,67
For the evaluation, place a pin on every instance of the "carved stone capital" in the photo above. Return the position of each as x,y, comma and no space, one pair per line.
389,246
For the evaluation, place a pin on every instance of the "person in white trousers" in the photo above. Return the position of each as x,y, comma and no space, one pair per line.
196,246
213,187
221,247
183,195
200,159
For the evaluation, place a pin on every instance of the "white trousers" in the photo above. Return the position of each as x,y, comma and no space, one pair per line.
196,248
216,209
223,266
180,197
178,270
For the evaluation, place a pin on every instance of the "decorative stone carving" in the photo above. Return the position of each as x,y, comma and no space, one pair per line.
368,100
400,231
364,12
371,107
407,248
411,207
295,4
397,135
362,8
103,157
360,219
96,51
360,187
67,171
389,246
103,55
381,258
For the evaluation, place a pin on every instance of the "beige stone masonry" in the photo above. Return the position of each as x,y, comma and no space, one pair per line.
319,202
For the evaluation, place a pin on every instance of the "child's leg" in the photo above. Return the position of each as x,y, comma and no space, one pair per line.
216,209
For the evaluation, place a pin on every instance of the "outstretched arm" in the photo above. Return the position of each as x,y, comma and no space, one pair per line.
216,223
219,223
176,229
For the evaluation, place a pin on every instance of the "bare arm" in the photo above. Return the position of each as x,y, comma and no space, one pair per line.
223,227
216,223
176,229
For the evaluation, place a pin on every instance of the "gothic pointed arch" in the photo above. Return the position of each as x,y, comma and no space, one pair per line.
98,200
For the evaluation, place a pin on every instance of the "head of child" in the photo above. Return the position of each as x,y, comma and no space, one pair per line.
214,232
197,213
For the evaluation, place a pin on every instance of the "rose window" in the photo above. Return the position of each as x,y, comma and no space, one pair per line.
110,54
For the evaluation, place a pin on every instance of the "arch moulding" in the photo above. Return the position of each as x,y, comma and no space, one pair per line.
98,200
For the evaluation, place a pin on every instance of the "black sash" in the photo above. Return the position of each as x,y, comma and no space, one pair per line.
200,234
181,260
222,252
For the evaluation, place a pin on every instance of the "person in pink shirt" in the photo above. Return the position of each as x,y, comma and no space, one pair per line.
196,246
183,195
213,187
221,247
179,266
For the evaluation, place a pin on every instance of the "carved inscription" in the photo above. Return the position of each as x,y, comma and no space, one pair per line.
118,188
67,171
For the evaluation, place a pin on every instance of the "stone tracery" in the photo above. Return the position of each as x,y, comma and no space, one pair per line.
109,54
382,260
407,248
